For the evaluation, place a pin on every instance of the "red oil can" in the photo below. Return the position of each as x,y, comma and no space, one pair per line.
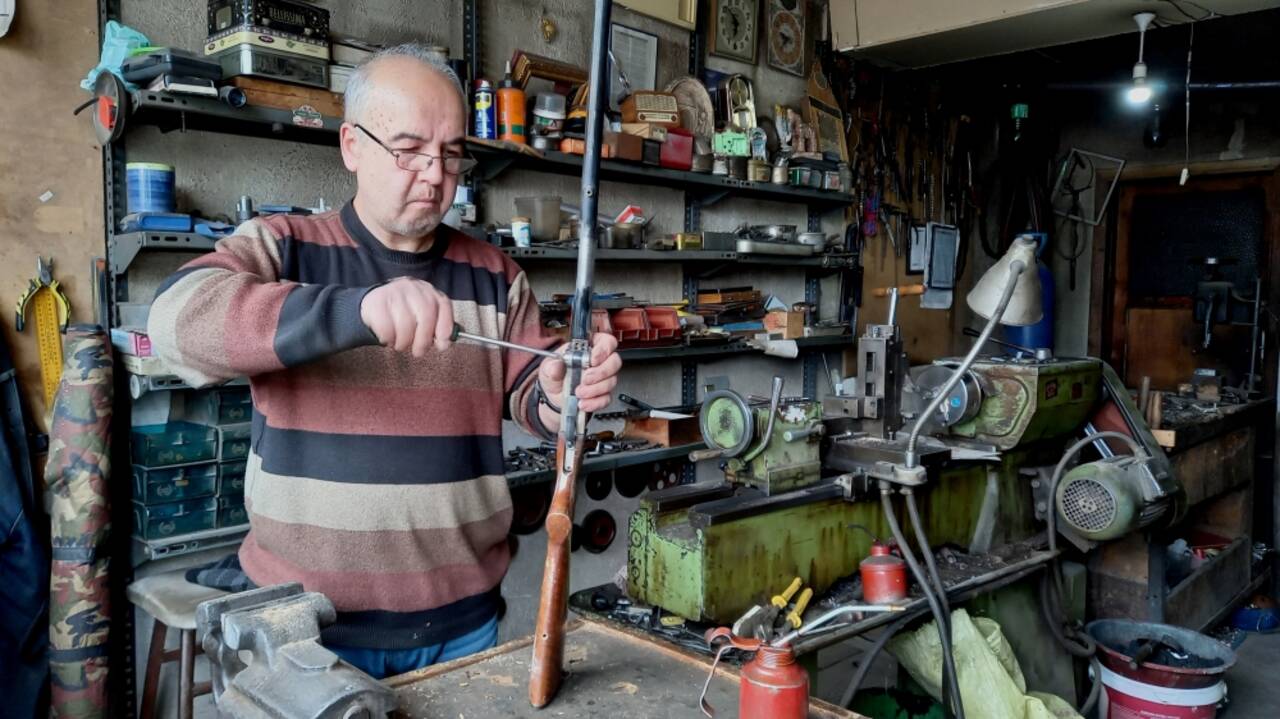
884,576
772,685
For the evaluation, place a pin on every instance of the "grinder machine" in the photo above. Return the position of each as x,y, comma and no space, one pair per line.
801,474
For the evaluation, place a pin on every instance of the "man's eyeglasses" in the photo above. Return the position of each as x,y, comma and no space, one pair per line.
420,161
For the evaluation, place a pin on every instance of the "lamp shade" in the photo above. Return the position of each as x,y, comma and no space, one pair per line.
1024,306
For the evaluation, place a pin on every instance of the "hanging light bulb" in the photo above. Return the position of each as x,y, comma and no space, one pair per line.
1140,93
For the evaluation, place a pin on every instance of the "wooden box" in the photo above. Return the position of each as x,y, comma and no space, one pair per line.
283,96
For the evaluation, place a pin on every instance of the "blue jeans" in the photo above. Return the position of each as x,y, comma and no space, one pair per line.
383,663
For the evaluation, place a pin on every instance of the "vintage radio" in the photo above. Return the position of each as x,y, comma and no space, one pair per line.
646,106
283,16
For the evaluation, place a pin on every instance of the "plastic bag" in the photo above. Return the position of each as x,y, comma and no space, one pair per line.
991,682
118,43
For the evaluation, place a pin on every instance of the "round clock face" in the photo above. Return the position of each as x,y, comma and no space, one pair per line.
785,39
735,26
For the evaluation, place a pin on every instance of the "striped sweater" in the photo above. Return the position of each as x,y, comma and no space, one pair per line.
375,478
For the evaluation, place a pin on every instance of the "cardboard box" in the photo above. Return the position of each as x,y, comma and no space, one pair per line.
788,323
131,342
646,130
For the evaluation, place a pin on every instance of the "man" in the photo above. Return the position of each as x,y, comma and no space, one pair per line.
376,475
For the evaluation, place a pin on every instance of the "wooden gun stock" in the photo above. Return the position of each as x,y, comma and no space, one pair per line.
546,670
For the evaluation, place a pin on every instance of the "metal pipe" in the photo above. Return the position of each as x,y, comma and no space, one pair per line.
1016,268
1101,86
775,398
585,282
893,305
1253,345
507,345
831,616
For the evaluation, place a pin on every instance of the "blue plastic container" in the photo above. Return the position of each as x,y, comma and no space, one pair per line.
1039,334
150,187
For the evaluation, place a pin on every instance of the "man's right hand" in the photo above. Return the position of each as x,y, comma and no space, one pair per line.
409,315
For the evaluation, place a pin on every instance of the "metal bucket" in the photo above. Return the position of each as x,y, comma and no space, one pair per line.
1114,636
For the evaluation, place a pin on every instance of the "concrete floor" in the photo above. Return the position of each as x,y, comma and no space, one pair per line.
1251,684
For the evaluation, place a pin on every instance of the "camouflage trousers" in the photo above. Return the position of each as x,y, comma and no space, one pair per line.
76,479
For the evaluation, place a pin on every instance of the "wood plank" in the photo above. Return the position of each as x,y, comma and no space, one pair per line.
1210,587
1212,467
1166,352
611,673
47,149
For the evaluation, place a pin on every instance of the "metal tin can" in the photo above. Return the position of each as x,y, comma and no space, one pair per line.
486,120
884,576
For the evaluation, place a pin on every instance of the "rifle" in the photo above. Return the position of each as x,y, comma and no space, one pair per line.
546,670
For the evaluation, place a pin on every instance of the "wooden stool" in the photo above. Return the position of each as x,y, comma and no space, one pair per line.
171,600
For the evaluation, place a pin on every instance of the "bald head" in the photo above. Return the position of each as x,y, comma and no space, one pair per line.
381,72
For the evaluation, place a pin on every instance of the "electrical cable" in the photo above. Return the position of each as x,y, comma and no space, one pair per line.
950,683
1076,643
922,540
869,658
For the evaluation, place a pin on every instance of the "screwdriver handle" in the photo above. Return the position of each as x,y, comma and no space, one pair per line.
793,618
780,600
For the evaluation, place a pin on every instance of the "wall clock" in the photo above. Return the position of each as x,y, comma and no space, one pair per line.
734,29
786,36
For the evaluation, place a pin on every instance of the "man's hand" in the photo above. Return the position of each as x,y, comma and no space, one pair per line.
595,390
409,315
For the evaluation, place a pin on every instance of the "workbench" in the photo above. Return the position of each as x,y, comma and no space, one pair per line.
1213,450
612,672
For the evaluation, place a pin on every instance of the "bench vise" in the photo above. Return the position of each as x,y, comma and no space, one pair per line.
288,675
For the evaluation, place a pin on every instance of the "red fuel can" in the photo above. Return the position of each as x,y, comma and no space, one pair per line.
884,576
772,685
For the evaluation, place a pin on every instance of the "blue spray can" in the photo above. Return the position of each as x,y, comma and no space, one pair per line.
486,119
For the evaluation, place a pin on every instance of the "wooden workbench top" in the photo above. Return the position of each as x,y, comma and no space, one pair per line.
612,673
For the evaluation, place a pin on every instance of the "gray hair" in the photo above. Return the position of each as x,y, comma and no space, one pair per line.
358,86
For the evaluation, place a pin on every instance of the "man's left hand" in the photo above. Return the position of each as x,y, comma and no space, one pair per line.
595,390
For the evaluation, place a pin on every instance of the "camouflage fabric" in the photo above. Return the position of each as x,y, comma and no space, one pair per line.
76,478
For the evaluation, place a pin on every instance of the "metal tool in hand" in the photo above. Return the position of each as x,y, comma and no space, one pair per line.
53,312
458,334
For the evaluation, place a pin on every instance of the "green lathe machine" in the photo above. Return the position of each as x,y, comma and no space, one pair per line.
800,475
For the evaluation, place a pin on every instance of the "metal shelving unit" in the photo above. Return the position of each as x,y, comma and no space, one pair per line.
606,462
684,352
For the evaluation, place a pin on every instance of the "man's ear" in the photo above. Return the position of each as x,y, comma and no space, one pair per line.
347,142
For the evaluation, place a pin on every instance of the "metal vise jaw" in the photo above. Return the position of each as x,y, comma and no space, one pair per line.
288,675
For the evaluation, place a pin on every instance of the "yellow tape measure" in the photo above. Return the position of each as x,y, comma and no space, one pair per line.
52,312
48,342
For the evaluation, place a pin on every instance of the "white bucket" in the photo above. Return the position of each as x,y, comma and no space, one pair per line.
1131,699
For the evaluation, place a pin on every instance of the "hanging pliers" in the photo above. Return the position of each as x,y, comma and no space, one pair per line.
43,280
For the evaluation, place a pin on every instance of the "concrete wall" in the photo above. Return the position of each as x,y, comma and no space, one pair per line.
214,170
1224,127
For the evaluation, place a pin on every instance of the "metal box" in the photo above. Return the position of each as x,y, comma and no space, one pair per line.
159,521
234,441
259,62
231,478
163,445
158,486
231,512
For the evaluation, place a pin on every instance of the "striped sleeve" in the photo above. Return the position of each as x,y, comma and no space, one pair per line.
520,369
229,314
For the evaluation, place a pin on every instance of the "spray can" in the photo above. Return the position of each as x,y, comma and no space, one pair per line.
511,110
485,122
